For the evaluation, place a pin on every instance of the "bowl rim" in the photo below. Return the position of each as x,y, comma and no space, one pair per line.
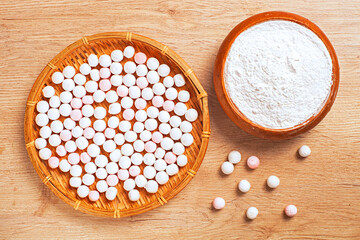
43,172
228,105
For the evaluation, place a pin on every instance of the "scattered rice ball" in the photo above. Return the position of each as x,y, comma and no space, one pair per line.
304,151
234,157
244,186
252,213
273,181
218,203
290,210
227,168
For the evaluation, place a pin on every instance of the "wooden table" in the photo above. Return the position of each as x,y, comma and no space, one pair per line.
325,187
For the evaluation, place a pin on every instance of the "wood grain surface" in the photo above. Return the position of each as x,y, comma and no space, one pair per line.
325,187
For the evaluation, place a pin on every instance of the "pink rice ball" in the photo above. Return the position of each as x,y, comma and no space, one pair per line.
168,105
53,162
88,99
94,195
74,158
122,91
150,146
170,158
134,171
290,210
112,180
89,132
123,174
140,103
105,73
76,115
105,85
65,135
61,151
142,82
253,162
85,158
140,58
128,114
157,137
76,103
219,203
158,101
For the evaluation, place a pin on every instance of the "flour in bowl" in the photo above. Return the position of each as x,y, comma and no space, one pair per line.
278,73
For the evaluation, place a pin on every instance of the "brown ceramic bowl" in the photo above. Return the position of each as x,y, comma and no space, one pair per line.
230,108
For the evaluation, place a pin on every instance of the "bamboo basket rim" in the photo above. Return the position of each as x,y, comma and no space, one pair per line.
189,74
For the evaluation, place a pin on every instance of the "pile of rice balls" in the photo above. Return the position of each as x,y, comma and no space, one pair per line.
113,115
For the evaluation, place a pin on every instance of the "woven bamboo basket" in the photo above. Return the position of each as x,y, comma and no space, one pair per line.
75,55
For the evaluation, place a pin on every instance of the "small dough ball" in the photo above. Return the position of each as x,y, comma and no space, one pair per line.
117,55
69,71
290,210
219,203
111,193
244,186
163,70
152,63
191,115
129,52
252,213
83,191
227,168
162,178
134,195
105,60
304,151
93,60
57,77
273,181
151,186
179,80
234,157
